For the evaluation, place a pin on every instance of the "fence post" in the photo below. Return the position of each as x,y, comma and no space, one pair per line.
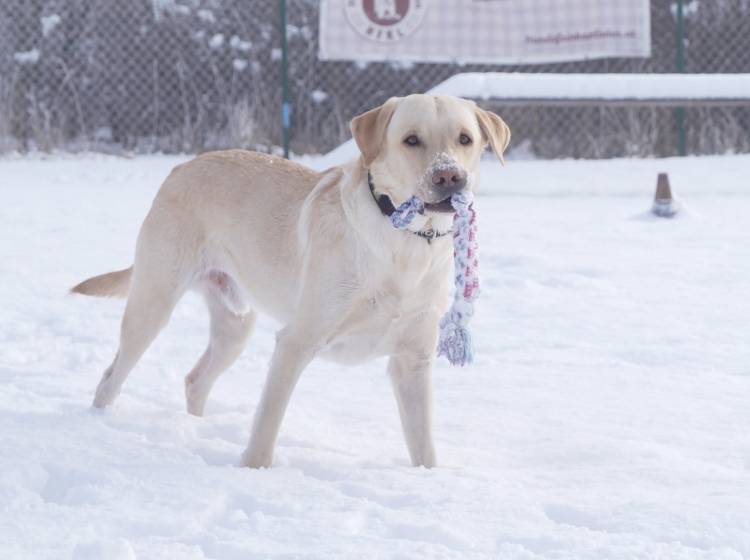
680,112
285,106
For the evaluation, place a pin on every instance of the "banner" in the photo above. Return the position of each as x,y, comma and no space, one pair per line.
484,31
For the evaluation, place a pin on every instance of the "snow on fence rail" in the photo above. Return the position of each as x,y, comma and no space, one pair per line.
603,89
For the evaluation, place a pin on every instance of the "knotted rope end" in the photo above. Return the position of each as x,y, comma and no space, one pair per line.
455,343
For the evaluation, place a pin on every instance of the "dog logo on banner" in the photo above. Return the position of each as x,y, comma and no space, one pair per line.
385,21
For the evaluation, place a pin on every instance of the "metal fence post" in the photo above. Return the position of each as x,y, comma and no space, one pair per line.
680,112
285,106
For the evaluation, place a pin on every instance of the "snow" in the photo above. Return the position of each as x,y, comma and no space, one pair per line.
236,43
318,96
161,7
49,23
606,415
239,64
118,549
207,16
27,57
217,41
508,85
688,9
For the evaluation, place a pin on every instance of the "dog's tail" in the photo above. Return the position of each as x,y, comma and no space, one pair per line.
112,284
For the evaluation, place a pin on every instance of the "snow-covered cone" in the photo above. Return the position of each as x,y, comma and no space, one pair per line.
455,340
405,214
664,205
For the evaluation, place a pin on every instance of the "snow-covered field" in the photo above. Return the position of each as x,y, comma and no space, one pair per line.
607,416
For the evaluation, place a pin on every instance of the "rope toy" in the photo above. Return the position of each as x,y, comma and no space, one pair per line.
455,339
405,214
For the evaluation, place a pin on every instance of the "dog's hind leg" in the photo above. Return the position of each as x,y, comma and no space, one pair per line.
228,337
151,300
149,307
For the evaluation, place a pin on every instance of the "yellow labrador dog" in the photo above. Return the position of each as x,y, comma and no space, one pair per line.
255,233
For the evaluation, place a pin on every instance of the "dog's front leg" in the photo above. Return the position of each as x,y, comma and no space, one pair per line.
411,376
290,356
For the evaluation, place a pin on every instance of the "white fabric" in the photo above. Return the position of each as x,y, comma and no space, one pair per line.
490,31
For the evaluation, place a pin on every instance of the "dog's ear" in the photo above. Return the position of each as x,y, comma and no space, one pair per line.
368,130
495,131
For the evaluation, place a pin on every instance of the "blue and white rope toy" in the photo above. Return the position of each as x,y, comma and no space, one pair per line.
455,340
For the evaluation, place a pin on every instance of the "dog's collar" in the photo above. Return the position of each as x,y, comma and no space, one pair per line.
387,208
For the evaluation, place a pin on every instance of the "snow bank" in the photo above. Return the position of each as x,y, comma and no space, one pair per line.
506,85
606,417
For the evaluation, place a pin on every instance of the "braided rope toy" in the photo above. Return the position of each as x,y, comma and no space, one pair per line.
455,339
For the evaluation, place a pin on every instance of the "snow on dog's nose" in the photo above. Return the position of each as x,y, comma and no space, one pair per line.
446,177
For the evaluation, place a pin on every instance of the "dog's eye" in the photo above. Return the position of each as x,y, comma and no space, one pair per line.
464,140
411,140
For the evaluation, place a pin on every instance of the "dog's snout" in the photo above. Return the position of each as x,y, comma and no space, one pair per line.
449,179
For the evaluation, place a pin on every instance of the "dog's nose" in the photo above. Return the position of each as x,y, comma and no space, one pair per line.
449,179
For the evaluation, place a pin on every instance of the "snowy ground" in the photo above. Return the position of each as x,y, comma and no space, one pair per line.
608,414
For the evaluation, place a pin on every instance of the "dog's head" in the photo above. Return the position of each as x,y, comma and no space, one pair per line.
428,146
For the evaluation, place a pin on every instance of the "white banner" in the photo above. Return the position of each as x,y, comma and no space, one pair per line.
484,31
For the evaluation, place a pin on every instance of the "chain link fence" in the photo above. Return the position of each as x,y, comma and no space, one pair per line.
192,75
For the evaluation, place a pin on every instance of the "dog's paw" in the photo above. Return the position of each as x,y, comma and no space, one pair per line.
195,397
256,460
105,396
